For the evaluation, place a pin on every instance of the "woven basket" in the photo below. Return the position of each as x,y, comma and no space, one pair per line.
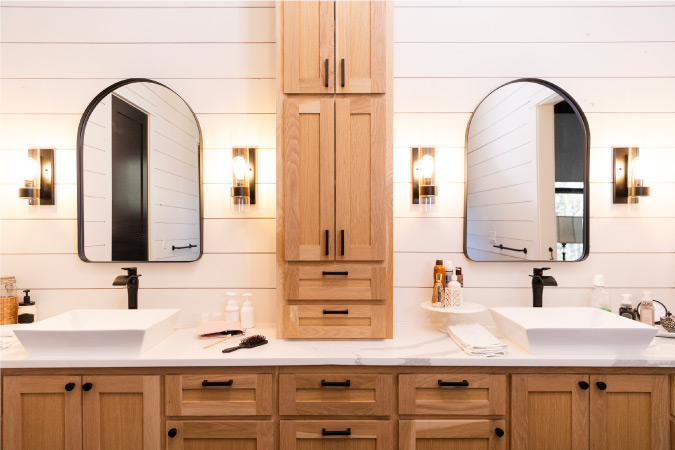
8,310
668,322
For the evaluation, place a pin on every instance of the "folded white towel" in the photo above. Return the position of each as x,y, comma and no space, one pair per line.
474,339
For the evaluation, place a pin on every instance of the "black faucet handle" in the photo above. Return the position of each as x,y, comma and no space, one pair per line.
131,271
539,272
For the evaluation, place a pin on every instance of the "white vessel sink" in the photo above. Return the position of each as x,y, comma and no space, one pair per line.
98,333
572,331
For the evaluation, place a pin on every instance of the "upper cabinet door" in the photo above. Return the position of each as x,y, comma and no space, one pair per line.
309,60
309,179
361,47
361,198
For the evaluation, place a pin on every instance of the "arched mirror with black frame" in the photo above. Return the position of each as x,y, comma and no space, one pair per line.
139,164
526,176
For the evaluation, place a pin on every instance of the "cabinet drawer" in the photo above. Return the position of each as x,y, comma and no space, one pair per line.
335,282
250,435
336,434
452,393
326,394
334,321
452,434
219,395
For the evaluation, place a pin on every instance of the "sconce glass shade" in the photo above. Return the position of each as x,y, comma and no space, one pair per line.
37,172
425,191
241,176
629,175
29,169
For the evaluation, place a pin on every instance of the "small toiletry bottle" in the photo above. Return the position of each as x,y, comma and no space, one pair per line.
647,308
439,268
232,311
247,316
448,272
27,309
626,309
456,293
8,305
600,298
460,277
438,297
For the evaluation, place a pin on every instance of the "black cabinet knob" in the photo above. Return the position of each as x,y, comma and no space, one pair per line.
601,385
173,432
70,387
87,386
583,385
499,432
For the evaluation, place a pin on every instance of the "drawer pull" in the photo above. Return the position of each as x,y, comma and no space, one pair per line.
172,432
87,386
206,383
70,386
342,311
462,383
499,432
347,432
336,383
601,385
345,273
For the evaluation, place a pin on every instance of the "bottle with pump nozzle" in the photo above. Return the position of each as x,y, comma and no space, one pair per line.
647,308
600,298
27,309
626,309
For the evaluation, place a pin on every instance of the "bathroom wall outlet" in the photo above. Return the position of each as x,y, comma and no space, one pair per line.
493,237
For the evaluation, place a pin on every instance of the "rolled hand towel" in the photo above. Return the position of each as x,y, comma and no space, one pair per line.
474,339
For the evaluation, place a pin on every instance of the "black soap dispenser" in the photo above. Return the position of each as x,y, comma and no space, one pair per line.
27,309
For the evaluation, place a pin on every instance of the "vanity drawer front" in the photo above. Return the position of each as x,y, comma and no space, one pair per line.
336,434
335,321
329,394
219,395
452,434
218,434
452,393
335,282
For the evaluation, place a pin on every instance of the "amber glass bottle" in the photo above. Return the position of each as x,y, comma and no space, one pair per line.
439,268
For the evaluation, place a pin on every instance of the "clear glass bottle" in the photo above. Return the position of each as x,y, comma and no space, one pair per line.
600,298
438,296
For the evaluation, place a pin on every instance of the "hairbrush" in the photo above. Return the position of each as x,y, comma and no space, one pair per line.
250,342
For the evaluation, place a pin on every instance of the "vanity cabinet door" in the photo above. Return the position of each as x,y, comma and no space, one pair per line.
42,412
360,184
629,412
336,435
121,412
452,434
550,411
361,48
220,435
308,33
309,179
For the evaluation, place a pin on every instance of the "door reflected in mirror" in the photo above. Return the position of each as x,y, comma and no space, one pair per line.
139,190
527,152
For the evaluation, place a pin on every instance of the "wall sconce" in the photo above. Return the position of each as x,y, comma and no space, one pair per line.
424,189
243,179
629,176
37,170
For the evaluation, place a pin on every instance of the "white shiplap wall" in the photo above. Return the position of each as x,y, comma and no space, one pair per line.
447,57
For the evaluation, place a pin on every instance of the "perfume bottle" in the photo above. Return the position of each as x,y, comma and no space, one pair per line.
438,296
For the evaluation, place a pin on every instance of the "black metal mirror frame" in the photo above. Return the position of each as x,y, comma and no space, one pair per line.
587,154
80,156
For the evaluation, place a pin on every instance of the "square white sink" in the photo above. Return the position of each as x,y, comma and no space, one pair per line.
572,331
98,333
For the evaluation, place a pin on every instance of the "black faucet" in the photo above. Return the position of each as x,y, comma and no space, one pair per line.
539,280
130,280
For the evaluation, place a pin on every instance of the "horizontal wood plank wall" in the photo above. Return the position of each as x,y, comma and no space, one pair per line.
446,59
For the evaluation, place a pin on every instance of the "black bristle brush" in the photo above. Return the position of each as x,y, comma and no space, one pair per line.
250,342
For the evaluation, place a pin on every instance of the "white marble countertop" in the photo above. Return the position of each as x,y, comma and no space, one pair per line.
413,345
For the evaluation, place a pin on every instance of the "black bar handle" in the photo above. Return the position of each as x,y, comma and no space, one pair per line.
87,386
462,383
173,247
217,383
342,242
347,432
501,247
326,83
70,386
327,241
342,72
329,311
345,273
346,383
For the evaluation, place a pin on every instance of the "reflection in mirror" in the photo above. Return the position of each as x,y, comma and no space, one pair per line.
527,149
139,191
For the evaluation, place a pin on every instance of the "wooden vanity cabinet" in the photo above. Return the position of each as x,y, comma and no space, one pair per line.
334,47
220,434
452,434
82,412
597,412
